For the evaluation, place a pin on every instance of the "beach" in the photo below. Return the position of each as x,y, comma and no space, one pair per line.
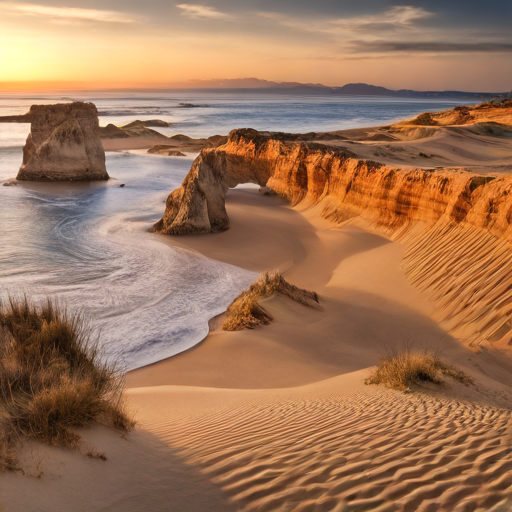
255,256
279,418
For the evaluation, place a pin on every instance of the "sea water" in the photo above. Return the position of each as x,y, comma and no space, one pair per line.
87,245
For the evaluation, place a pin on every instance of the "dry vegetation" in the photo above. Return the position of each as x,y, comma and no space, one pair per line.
52,380
425,119
245,312
402,369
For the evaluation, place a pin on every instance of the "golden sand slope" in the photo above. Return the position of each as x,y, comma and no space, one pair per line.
468,273
338,445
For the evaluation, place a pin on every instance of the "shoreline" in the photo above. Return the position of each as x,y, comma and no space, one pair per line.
351,279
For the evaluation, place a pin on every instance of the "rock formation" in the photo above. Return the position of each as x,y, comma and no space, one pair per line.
308,173
183,143
148,123
112,131
63,144
456,224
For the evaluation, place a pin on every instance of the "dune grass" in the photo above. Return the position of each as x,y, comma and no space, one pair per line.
52,380
245,312
401,369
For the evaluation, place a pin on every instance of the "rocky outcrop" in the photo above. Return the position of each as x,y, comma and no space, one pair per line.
198,206
346,186
182,143
165,149
148,123
112,131
456,225
23,118
63,144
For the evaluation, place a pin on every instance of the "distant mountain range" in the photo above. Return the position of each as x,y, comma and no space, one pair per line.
356,89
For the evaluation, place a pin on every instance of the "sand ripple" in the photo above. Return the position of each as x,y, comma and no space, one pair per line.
325,448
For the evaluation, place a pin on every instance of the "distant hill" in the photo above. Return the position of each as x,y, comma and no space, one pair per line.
244,83
373,90
355,89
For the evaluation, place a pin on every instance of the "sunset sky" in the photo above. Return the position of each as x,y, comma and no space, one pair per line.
422,44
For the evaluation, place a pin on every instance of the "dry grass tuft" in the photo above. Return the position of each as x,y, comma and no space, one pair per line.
402,369
245,312
52,380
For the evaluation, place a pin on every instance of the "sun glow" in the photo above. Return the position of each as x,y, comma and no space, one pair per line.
44,46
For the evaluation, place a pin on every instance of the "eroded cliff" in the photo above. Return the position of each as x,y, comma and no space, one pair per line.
456,224
63,144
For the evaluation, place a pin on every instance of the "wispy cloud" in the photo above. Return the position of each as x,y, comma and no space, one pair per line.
429,47
202,12
398,30
68,13
395,18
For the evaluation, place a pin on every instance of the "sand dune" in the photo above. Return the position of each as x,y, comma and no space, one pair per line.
332,444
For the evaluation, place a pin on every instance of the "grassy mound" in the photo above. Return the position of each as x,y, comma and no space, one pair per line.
51,379
402,369
245,312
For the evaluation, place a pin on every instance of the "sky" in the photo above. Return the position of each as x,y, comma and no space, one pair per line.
412,44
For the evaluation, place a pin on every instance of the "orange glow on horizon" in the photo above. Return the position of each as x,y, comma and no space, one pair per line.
53,48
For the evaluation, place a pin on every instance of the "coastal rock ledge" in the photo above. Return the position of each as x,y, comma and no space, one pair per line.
455,222
63,144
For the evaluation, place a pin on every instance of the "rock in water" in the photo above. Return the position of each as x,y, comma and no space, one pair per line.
63,144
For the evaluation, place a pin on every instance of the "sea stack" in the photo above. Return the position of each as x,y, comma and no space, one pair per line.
63,144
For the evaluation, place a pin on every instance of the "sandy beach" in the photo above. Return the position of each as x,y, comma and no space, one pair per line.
278,418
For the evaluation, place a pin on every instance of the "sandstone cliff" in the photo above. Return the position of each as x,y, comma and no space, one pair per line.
456,224
63,144
346,186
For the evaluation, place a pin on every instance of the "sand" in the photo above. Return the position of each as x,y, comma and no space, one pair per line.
279,418
131,143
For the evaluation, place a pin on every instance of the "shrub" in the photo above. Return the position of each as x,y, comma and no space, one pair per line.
52,380
402,369
245,312
425,119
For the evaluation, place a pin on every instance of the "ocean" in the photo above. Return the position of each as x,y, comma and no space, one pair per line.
87,245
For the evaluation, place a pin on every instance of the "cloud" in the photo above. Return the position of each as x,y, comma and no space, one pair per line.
400,16
395,18
202,12
61,14
397,30
429,47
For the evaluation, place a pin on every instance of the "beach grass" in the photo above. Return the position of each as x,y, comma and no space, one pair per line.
52,380
402,368
245,312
